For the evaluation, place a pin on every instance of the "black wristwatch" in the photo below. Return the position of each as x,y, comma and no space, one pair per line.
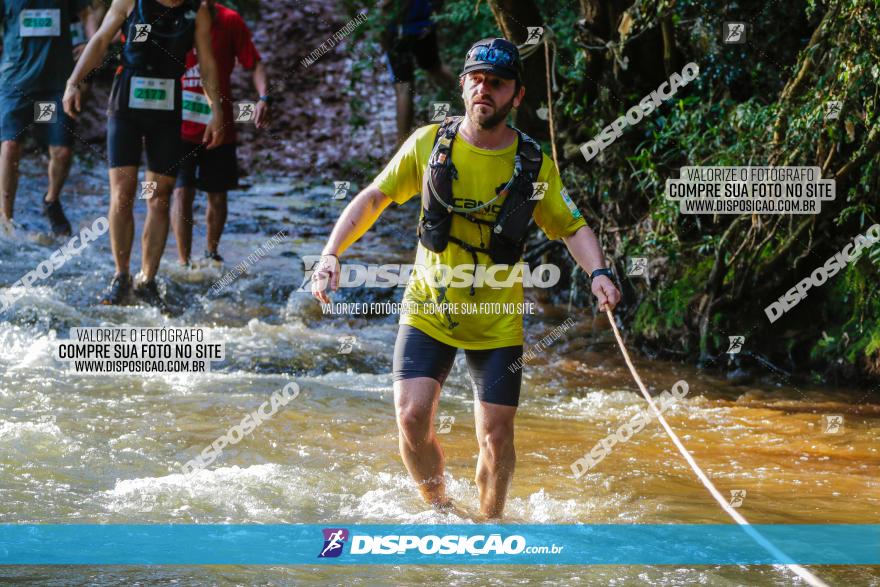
604,271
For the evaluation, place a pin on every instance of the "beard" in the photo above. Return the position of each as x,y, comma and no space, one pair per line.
490,121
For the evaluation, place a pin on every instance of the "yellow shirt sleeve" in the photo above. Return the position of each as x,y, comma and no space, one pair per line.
556,214
402,177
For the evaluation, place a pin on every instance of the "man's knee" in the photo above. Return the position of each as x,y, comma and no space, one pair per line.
497,443
10,150
184,196
159,203
61,155
414,423
217,200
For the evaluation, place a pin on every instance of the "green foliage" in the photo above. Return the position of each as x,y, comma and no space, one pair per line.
745,108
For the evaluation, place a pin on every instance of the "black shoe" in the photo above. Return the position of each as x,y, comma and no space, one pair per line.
55,213
213,256
148,291
118,290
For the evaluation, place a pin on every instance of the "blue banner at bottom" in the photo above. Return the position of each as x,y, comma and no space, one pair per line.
311,544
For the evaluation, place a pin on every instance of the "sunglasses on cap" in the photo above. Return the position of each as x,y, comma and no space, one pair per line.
493,55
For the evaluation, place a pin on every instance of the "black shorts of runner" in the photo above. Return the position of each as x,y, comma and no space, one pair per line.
418,355
208,170
405,50
128,137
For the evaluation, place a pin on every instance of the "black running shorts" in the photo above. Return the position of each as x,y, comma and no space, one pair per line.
127,137
210,170
418,355
403,51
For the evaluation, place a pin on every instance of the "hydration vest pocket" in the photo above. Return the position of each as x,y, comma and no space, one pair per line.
511,229
505,250
434,230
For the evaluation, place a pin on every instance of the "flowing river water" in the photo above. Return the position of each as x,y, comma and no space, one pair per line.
108,449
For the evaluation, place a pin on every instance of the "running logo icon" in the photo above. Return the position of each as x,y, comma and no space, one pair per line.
534,35
141,33
832,423
737,496
439,111
832,109
539,190
244,111
45,112
636,266
340,189
148,188
736,344
346,344
446,423
734,33
334,540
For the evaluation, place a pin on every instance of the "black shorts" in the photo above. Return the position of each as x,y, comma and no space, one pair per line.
418,355
404,50
127,137
209,170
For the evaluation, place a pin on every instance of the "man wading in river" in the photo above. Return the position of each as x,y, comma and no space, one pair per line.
475,210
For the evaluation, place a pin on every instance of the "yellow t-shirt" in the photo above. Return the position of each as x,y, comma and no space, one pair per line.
451,314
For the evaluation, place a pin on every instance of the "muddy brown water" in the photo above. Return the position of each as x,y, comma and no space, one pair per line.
107,449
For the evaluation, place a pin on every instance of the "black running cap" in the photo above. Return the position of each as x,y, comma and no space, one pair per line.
495,55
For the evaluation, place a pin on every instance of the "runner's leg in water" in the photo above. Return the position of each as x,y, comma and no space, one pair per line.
415,405
215,219
182,222
60,158
155,233
123,186
495,465
10,155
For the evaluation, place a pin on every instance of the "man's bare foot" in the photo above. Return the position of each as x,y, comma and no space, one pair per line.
442,504
447,506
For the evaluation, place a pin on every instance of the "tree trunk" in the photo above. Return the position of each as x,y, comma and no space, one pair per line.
513,18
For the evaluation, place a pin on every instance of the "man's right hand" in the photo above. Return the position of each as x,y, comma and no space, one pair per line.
72,100
325,274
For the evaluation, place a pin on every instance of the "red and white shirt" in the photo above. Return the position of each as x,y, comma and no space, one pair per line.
231,40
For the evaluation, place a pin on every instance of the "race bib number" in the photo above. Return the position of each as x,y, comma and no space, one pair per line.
151,93
77,34
40,23
195,107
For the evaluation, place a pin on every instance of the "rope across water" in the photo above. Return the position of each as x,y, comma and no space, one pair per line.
798,570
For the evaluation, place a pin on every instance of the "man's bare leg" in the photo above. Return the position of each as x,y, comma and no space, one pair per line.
10,155
215,219
494,427
415,403
403,90
123,183
60,158
155,233
182,221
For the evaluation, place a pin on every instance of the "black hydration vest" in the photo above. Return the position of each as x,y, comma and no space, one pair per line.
161,55
507,235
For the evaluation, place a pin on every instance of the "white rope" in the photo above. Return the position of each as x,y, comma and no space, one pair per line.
798,570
